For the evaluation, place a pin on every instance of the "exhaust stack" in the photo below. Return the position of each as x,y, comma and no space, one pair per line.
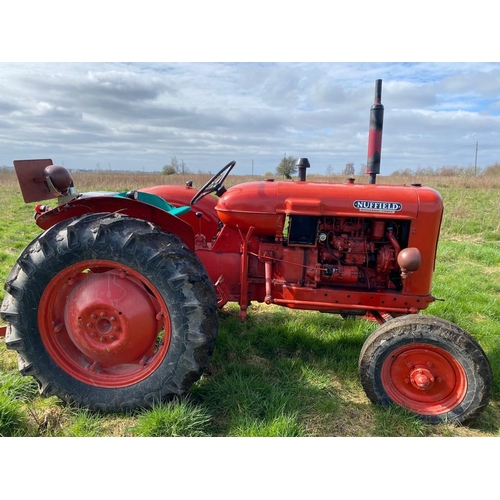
375,134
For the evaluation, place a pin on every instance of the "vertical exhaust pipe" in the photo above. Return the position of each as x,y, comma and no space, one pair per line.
375,134
302,164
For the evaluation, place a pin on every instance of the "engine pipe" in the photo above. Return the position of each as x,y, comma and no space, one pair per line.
375,134
302,164
268,266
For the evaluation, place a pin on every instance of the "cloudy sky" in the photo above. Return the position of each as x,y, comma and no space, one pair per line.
138,115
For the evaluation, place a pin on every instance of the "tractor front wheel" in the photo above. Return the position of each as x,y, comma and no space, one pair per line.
110,313
428,366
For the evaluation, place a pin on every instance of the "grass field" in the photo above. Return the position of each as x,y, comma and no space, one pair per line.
283,372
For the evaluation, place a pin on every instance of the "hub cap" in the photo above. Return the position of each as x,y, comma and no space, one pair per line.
424,378
106,325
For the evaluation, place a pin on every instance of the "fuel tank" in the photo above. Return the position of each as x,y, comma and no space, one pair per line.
265,205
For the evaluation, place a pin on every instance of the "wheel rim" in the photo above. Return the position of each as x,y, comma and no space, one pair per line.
104,324
424,378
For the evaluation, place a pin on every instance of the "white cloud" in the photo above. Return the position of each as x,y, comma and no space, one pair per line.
139,115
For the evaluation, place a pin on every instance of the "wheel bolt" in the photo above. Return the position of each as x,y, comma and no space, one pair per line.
102,339
93,316
90,325
116,328
429,364
57,328
409,365
112,318
102,314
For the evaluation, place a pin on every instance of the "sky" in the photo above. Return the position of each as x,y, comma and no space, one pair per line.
82,106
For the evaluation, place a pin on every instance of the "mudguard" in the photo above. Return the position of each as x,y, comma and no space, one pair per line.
140,208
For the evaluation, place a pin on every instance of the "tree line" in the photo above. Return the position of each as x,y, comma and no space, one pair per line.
287,168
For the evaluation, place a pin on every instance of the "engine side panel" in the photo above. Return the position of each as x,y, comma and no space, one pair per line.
335,247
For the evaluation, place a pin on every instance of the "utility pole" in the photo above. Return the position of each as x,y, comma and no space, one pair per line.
475,162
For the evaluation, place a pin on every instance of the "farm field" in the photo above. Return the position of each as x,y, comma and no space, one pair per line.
283,372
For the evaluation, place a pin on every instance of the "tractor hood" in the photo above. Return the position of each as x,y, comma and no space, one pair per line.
264,205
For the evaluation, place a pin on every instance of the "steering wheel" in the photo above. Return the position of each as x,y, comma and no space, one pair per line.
214,184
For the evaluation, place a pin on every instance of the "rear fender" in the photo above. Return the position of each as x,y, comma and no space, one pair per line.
125,206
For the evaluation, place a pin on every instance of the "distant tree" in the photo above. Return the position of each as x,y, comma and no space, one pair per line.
183,169
362,169
171,168
407,172
174,167
168,170
449,171
287,167
492,170
329,170
348,169
425,171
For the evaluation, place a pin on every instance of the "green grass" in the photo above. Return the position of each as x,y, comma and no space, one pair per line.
175,419
13,420
284,373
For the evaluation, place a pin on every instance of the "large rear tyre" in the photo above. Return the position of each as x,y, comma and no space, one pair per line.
428,366
110,313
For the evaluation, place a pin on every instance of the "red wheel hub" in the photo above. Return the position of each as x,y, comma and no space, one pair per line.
111,319
105,325
424,378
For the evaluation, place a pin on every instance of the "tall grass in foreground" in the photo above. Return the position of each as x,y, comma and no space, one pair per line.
283,372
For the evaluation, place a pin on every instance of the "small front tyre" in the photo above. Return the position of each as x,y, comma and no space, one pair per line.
428,366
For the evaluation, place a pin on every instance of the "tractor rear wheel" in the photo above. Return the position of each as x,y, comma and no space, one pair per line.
428,366
110,313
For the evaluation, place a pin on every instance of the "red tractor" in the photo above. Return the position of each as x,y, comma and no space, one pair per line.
116,304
